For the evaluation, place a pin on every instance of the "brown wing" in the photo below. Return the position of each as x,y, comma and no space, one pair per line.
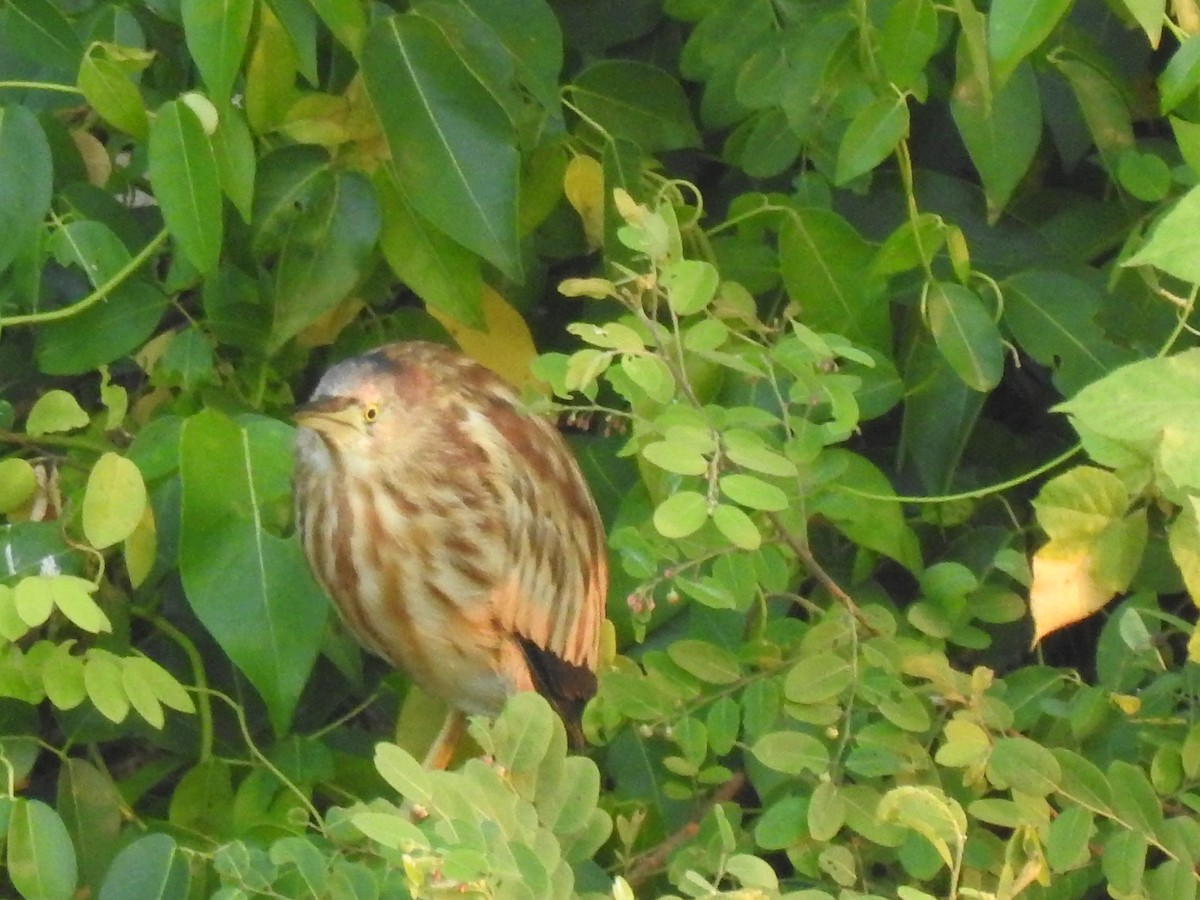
555,594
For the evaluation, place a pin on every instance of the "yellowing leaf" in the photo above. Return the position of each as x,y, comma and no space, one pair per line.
141,547
113,502
583,184
505,345
1064,589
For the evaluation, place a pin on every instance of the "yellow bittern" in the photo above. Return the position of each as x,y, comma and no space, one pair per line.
453,530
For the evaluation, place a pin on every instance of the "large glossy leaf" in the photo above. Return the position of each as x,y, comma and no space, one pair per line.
315,227
453,148
442,273
40,32
41,858
1001,135
151,868
91,809
183,172
872,136
216,32
250,587
965,334
1171,243
102,333
1105,111
638,102
826,270
1053,317
1017,27
940,412
25,180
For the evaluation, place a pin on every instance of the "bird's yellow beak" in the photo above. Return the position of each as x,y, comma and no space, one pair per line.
329,415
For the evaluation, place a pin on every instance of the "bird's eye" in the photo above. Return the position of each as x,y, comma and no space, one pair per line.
370,413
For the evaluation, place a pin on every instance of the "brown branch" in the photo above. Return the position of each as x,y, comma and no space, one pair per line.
805,555
652,861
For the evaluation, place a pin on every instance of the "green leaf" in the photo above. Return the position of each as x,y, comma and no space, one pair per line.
930,813
345,18
90,806
681,514
62,677
878,524
403,773
708,662
1148,406
738,527
748,450
652,375
187,184
1149,15
826,268
690,285
111,92
826,811
523,732
1017,762
1002,135
454,154
103,677
55,412
1136,804
1181,76
1052,316
965,334
319,226
114,501
151,868
392,830
1171,240
1124,863
1105,111
250,588
680,457
1079,505
217,32
638,102
440,271
26,177
907,40
18,481
1071,832
40,31
106,331
1144,175
234,151
871,137
791,752
753,492
1017,27
818,678
41,858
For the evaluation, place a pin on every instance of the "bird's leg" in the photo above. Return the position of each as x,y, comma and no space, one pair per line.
441,751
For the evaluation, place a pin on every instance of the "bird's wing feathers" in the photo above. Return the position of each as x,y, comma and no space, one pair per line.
555,594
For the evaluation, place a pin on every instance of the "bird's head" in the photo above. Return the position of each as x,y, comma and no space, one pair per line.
355,403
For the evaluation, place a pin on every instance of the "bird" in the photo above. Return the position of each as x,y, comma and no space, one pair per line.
453,530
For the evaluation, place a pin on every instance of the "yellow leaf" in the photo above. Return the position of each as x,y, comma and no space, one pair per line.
141,547
583,184
113,502
1127,703
505,346
1064,589
271,74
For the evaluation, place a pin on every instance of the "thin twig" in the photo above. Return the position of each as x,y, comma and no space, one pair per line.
805,555
652,861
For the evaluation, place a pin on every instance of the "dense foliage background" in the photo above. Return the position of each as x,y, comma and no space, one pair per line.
873,323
